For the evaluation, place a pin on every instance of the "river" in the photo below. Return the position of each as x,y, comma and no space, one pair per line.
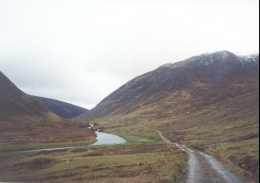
108,139
102,139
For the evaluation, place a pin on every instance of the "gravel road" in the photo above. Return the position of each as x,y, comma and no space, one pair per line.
204,168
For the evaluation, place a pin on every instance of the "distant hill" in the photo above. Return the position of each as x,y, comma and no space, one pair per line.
14,103
62,109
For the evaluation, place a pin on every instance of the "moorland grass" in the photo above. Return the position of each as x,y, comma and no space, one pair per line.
33,146
143,163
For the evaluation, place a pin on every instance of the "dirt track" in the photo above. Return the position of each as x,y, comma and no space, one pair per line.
203,168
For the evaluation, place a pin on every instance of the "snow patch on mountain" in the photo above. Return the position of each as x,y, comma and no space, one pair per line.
209,58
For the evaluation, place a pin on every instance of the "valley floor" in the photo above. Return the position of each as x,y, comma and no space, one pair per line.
120,163
147,157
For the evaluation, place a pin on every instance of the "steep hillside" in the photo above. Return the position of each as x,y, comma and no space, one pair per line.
25,123
62,109
210,74
15,103
209,102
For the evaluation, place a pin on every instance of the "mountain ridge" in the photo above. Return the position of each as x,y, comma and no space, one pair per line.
218,68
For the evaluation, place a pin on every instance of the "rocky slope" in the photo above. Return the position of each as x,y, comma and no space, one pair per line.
62,109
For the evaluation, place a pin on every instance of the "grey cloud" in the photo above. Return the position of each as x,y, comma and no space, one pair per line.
81,51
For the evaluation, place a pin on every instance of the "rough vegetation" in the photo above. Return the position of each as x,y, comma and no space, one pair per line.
209,103
127,163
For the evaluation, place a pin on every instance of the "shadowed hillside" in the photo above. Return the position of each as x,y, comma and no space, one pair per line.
15,103
25,123
211,77
62,109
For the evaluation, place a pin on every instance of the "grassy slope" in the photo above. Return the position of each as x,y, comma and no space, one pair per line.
25,123
225,125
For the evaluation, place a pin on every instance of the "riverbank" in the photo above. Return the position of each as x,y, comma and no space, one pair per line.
102,138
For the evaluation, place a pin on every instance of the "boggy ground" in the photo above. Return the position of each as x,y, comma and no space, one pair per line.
145,158
36,133
120,163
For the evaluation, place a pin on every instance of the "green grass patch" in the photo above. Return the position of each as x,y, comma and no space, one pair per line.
134,139
94,147
169,165
136,134
16,154
23,147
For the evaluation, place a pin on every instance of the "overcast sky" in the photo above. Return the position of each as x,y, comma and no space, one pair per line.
79,51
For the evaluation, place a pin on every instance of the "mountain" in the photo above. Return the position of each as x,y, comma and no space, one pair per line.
208,102
62,109
212,75
25,123
14,103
